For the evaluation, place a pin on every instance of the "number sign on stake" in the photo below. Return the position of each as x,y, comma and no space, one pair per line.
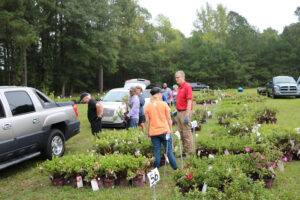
153,177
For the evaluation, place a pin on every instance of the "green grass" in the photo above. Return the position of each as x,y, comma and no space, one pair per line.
24,181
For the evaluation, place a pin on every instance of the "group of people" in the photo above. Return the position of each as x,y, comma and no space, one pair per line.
156,114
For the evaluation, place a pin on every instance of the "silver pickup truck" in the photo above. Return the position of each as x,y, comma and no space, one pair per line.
31,124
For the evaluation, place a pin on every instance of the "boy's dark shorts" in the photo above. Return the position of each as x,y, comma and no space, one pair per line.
142,119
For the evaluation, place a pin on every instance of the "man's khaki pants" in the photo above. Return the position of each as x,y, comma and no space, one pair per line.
185,132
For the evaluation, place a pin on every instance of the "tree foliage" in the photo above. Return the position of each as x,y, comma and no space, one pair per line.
71,46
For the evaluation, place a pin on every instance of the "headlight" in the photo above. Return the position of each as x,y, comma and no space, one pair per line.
276,88
298,87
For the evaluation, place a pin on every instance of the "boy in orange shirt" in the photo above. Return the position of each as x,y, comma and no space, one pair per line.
159,127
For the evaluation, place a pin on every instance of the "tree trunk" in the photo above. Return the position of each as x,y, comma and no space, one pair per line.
100,78
63,90
25,66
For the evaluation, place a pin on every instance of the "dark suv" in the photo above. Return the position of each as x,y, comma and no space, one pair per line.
198,86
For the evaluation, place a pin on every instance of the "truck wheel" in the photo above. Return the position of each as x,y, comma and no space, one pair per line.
55,144
273,96
267,94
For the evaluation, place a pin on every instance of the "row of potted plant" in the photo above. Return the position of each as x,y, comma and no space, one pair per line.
220,171
241,99
240,187
106,170
123,141
287,140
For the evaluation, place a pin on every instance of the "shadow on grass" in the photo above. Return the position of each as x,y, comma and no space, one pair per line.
20,167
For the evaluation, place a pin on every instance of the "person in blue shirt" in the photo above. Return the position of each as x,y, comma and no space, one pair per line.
164,97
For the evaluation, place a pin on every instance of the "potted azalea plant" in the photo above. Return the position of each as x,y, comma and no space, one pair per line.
56,169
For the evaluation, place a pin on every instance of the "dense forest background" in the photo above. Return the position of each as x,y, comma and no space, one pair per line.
69,46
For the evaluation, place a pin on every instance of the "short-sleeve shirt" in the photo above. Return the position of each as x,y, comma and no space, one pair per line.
184,93
156,110
92,110
142,103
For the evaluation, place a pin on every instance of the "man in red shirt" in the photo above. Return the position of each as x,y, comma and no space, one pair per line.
184,106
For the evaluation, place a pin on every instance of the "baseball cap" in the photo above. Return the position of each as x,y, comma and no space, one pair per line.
83,95
155,90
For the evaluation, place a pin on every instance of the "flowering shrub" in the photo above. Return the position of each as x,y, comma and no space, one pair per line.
123,142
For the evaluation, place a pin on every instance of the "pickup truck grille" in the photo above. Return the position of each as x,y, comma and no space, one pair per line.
108,112
284,88
288,89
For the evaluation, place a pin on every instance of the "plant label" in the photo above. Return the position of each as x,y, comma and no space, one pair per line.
271,169
137,152
94,185
210,167
226,152
194,124
208,113
292,142
280,166
204,188
211,156
79,182
153,177
178,134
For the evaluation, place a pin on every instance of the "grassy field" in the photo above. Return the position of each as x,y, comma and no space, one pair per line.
24,181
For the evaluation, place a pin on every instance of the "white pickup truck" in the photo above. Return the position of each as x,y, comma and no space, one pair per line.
31,124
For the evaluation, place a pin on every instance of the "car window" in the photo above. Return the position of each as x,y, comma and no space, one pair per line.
115,96
2,113
19,102
42,97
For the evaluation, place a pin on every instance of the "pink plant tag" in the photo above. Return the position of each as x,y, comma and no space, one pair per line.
79,182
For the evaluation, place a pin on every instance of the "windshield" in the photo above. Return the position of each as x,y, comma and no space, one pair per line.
284,80
115,96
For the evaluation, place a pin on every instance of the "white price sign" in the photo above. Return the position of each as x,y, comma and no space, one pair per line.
94,184
153,177
194,124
